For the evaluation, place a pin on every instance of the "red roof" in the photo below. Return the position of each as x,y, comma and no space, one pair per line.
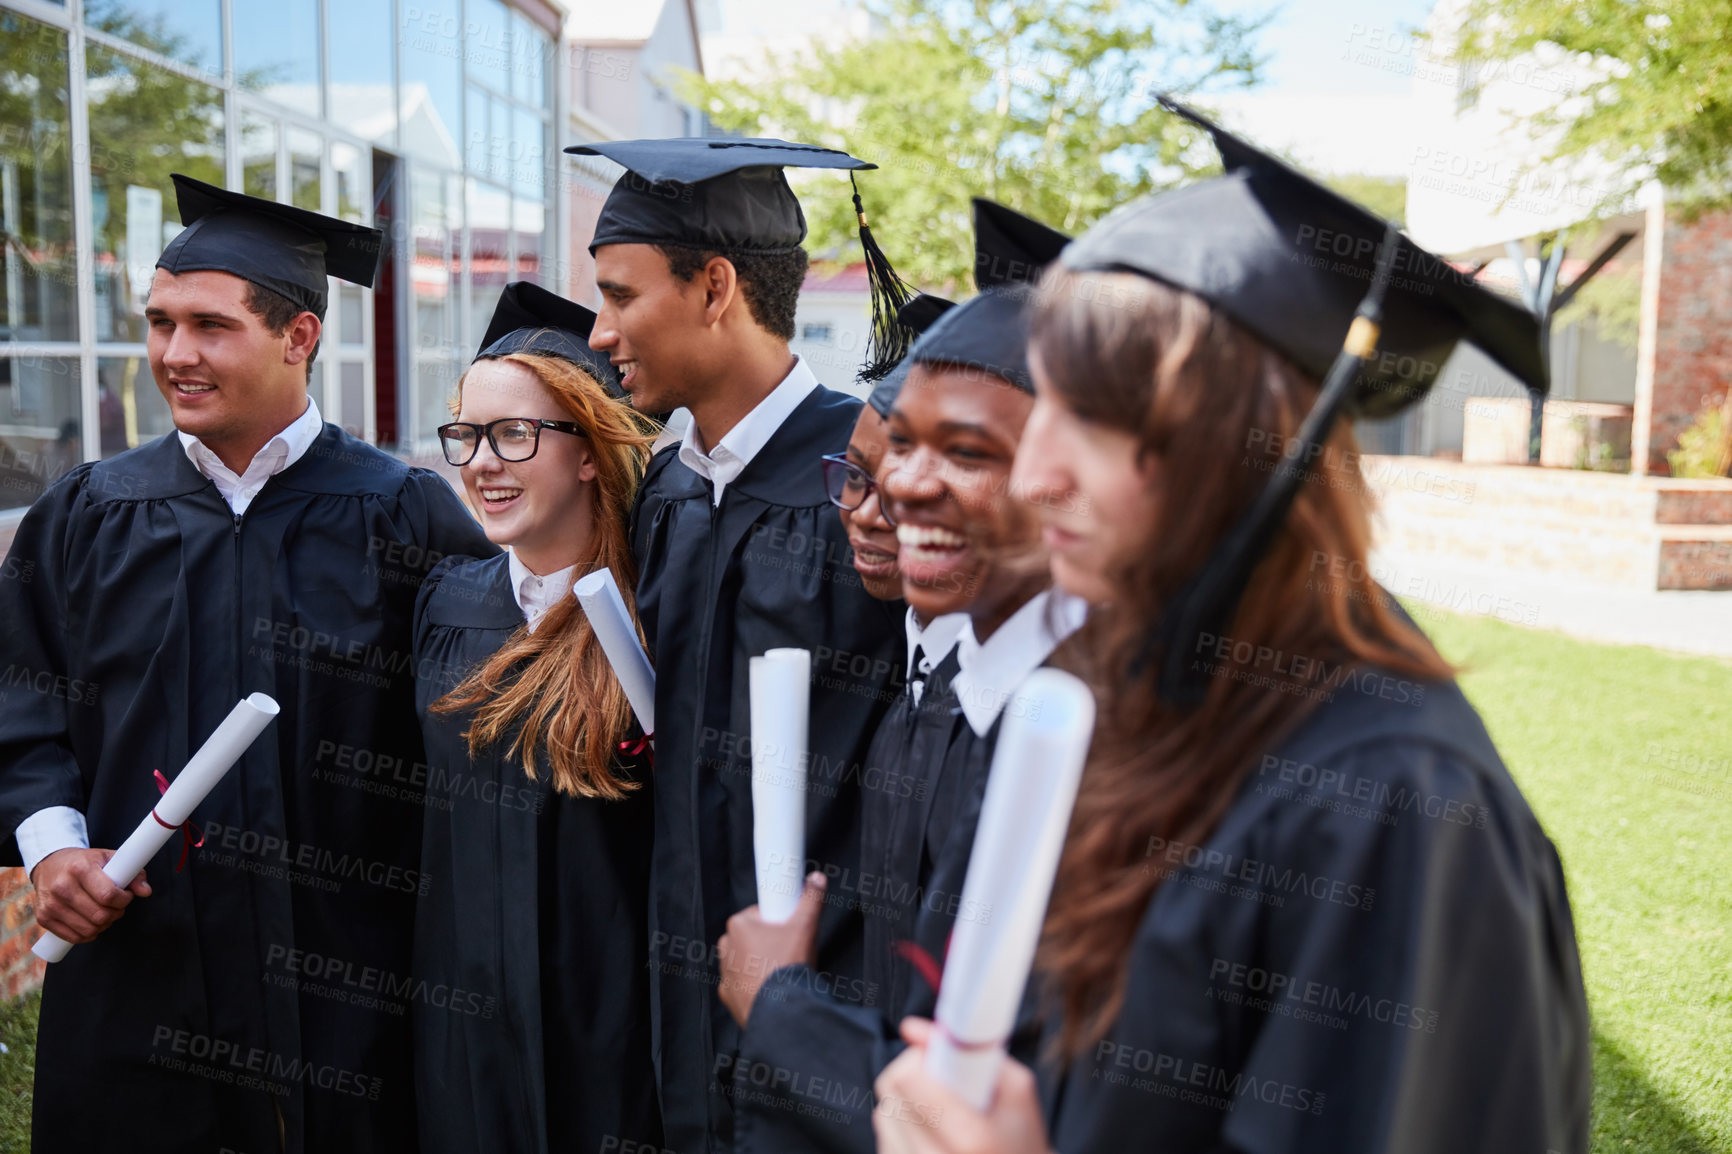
850,278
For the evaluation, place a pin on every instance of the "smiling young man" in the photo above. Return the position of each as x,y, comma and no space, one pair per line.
255,549
739,551
968,548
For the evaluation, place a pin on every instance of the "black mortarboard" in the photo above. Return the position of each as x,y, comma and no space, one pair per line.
916,316
285,249
1290,260
730,195
990,331
1343,294
529,319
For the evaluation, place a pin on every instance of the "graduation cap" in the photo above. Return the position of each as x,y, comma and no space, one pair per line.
276,246
990,331
1344,295
730,195
530,319
916,316
1290,260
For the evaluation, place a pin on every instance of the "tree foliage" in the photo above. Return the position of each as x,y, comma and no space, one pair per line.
1047,107
1660,102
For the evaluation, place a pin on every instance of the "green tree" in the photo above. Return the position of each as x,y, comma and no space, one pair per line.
1660,102
1384,195
1046,107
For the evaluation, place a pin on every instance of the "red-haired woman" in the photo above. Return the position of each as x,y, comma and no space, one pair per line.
1302,906
532,935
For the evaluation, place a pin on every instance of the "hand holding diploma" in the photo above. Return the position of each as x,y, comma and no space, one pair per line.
203,771
1023,820
918,1114
598,593
781,687
75,900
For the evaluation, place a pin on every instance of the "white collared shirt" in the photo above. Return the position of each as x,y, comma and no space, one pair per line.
535,594
61,827
722,465
992,669
934,642
279,453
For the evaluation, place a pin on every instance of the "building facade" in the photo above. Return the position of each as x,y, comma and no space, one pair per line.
435,120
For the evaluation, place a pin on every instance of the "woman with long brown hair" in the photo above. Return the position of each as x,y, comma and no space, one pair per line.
532,932
1302,905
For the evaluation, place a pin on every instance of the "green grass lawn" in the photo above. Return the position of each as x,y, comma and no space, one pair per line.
1625,753
17,1071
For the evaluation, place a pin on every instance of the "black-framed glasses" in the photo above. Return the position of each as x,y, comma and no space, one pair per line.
512,438
849,485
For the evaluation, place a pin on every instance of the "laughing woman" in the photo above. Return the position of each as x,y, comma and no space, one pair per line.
532,932
1303,906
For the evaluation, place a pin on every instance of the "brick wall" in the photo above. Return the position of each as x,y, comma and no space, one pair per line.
1693,354
20,970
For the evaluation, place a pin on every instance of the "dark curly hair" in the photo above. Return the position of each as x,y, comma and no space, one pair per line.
770,281
277,312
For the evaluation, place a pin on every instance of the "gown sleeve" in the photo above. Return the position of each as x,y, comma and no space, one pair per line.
1386,965
803,1076
39,698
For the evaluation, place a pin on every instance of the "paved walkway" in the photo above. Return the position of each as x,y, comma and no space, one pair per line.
1687,621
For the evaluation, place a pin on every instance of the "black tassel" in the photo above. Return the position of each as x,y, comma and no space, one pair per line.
889,341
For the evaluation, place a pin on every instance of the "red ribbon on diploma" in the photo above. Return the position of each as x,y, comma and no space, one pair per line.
922,961
186,828
641,745
930,970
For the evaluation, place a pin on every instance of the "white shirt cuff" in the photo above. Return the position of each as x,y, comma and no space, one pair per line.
47,830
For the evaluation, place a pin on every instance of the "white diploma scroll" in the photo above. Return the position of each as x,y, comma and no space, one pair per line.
1023,819
202,772
781,683
599,595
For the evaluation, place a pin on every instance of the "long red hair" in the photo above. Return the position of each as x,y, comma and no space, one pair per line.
1211,405
555,686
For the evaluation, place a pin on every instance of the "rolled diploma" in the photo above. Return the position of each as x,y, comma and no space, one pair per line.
781,700
1023,819
202,772
599,595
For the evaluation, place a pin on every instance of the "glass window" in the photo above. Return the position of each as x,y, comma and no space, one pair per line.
478,144
431,58
489,253
186,30
132,410
352,401
39,425
349,305
487,47
277,50
306,155
145,122
258,155
529,221
349,166
434,265
528,154
38,264
500,147
531,49
363,91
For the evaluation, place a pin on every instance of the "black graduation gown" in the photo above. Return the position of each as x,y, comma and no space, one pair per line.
542,1044
808,1057
231,1008
1372,952
769,567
